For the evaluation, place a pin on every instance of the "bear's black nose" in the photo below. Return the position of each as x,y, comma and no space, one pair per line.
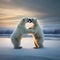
29,20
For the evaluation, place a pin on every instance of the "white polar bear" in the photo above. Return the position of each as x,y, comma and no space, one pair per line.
21,29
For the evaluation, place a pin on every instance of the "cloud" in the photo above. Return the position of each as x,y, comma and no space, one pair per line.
5,1
49,7
47,11
42,8
14,13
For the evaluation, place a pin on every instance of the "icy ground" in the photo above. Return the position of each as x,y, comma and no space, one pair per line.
51,50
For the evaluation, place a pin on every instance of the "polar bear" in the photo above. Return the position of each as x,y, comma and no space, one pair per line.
21,29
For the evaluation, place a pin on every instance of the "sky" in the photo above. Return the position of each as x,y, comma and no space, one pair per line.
46,11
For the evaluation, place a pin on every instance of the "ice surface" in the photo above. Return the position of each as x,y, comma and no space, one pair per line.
51,50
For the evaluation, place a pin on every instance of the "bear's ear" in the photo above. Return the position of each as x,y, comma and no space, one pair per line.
24,19
35,19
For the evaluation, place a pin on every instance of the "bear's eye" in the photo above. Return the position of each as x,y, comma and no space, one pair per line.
29,20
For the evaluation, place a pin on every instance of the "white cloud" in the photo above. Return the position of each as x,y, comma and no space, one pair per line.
5,0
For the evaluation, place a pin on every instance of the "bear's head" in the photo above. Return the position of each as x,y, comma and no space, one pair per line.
29,22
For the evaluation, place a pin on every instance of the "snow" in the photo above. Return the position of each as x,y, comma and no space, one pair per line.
51,50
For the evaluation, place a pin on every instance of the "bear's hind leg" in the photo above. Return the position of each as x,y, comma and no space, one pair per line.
36,44
38,41
16,42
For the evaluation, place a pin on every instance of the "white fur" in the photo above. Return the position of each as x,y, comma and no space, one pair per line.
21,29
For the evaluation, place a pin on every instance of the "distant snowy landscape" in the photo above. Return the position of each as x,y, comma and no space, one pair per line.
48,33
